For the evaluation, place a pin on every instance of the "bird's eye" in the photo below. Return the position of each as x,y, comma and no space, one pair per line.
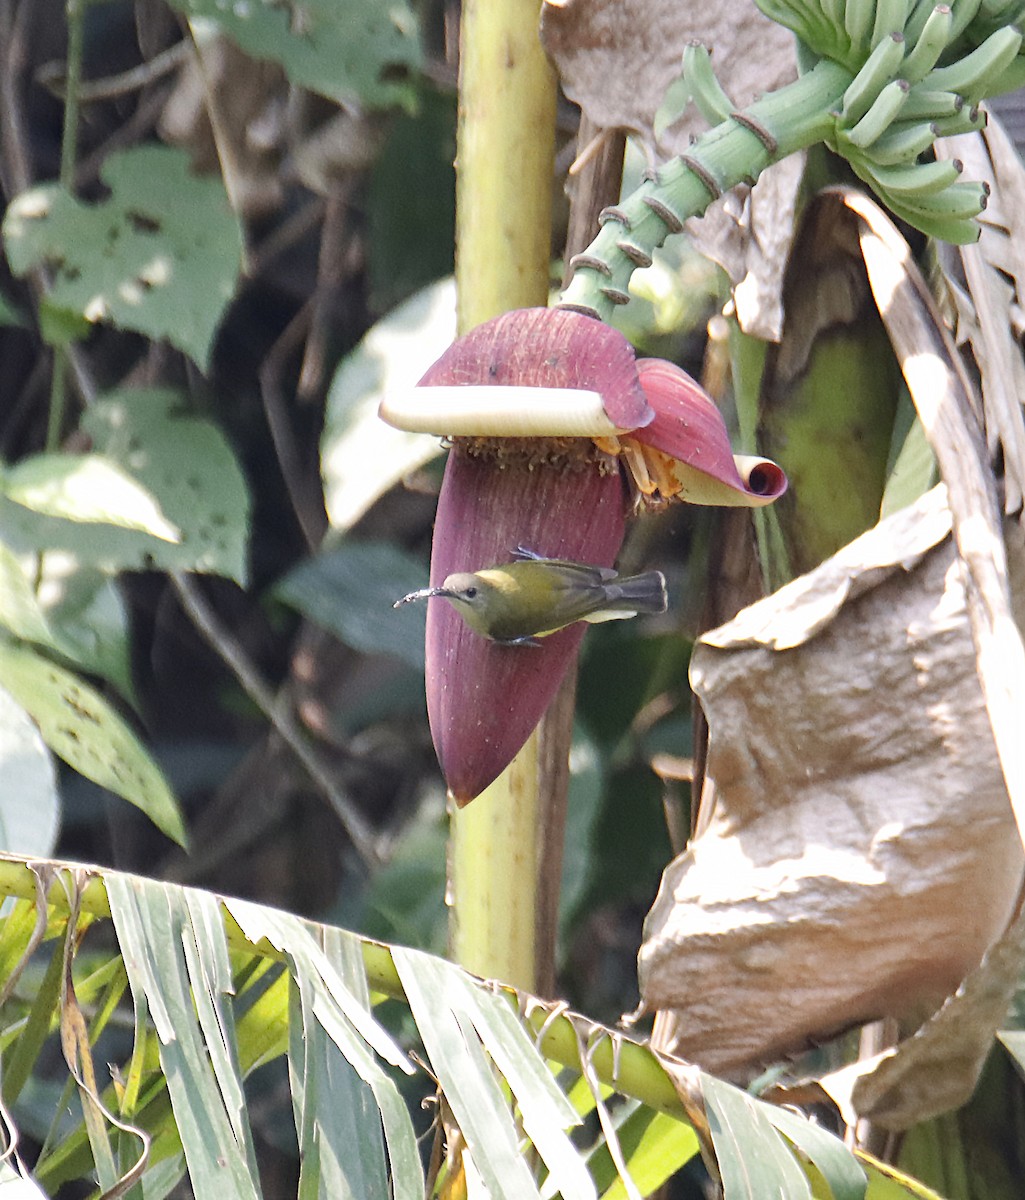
470,593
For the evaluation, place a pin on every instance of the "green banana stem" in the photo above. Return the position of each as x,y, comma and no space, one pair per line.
507,97
736,151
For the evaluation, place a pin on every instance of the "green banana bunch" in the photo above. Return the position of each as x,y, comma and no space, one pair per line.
919,71
882,80
848,31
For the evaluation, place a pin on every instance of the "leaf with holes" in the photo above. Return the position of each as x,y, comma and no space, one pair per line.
87,488
359,52
82,728
160,256
86,612
186,467
186,463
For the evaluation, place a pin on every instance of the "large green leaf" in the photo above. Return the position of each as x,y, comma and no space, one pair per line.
84,608
753,1160
183,461
341,1142
360,456
221,986
913,471
470,1087
332,987
463,1026
52,600
831,1157
176,955
21,612
21,1055
186,463
29,808
351,590
654,1146
360,52
161,255
85,488
80,726
108,547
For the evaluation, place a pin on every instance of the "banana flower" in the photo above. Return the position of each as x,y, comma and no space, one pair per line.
557,431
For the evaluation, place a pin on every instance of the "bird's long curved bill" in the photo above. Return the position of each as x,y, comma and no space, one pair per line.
422,594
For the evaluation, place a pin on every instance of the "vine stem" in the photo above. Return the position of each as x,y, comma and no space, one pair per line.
202,615
75,14
75,11
736,151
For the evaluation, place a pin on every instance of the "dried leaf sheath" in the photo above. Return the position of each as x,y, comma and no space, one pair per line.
861,855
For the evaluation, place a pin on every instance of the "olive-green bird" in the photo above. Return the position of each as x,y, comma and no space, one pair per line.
518,602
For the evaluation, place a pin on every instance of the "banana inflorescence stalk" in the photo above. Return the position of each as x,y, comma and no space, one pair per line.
889,78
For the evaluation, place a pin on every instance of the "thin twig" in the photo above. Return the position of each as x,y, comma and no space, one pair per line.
16,172
128,133
231,172
69,155
312,520
217,838
52,76
15,164
202,615
331,275
72,89
293,229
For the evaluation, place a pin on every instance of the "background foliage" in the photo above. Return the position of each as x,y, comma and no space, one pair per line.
227,229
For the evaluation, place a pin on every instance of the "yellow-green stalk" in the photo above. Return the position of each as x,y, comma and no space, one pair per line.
504,157
505,148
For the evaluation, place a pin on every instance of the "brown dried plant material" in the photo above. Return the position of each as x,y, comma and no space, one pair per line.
616,58
936,1069
860,839
861,854
222,110
239,115
989,290
749,234
948,408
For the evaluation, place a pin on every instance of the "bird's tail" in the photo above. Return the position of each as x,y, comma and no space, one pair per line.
644,593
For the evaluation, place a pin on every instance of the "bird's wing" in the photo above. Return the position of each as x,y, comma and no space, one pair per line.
588,573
